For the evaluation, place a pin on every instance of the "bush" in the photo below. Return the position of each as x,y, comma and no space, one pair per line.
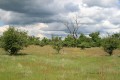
33,40
57,44
69,41
14,40
96,40
1,42
44,42
84,45
83,40
109,44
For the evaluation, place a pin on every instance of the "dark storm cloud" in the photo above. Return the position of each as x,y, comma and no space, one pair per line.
33,11
98,15
29,7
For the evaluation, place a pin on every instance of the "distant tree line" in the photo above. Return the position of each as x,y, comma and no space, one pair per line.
13,40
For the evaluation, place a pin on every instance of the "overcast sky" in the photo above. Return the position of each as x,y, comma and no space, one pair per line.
44,17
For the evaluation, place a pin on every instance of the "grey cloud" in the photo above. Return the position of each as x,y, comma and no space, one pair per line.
28,7
102,27
28,11
54,12
55,27
72,7
102,3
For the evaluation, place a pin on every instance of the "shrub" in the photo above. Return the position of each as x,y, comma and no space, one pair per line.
14,40
44,42
69,41
96,40
57,44
33,40
84,45
83,40
1,42
109,44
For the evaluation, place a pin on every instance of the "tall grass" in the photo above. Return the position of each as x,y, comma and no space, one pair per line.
42,63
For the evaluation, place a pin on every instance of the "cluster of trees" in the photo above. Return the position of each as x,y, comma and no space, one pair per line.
83,41
14,40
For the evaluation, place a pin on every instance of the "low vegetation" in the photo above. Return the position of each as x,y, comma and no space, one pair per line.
35,59
110,44
14,40
57,43
40,63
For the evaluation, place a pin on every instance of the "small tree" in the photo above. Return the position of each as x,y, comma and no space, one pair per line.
84,45
14,40
57,44
117,37
69,41
109,44
1,42
83,41
33,40
96,40
44,42
83,38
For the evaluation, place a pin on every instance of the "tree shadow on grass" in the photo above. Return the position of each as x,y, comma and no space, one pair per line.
118,56
107,55
18,54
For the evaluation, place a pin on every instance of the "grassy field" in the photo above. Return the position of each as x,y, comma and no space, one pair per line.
41,63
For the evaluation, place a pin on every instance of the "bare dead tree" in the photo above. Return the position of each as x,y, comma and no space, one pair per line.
73,26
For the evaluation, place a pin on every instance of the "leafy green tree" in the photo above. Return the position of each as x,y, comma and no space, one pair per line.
96,40
14,40
117,37
83,38
57,44
1,42
44,42
83,41
33,40
110,44
69,41
84,45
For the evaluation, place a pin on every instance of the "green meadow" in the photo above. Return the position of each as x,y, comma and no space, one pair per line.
42,63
